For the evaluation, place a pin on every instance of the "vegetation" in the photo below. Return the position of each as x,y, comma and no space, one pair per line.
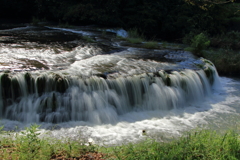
229,40
197,144
227,61
151,44
224,51
168,20
65,25
134,36
27,145
205,144
134,40
199,43
35,21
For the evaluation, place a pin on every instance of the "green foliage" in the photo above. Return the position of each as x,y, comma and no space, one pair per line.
226,61
205,5
199,144
196,144
150,44
154,19
134,36
134,40
35,21
28,145
199,43
187,39
65,25
229,40
133,33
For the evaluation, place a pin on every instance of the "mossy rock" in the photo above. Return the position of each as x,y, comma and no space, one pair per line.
209,73
54,103
60,84
6,85
15,88
165,77
41,83
30,82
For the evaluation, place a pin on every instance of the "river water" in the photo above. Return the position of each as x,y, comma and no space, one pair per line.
107,92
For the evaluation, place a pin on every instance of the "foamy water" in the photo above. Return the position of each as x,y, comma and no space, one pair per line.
136,96
219,111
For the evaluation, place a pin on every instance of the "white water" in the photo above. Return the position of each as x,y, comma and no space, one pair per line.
115,111
218,111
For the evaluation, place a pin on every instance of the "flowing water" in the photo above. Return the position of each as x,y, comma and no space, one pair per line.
106,91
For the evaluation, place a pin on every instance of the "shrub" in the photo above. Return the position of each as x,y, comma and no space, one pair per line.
226,61
199,43
134,36
133,33
35,21
229,40
187,39
65,25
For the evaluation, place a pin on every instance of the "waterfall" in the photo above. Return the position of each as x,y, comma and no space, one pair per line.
56,98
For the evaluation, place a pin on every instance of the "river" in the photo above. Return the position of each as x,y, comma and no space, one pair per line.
107,91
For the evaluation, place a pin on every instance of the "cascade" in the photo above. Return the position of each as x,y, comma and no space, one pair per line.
108,89
55,98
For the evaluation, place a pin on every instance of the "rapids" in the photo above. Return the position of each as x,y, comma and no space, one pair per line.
105,90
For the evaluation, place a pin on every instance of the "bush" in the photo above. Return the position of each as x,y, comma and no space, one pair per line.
35,21
226,61
134,36
199,43
187,39
65,25
229,40
133,33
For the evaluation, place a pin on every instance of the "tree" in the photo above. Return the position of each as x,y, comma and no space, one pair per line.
205,4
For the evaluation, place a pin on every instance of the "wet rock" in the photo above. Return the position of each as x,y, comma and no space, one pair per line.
41,83
6,85
61,83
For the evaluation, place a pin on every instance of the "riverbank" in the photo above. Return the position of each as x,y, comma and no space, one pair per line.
226,61
195,144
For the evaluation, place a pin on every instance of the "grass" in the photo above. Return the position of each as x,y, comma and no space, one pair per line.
197,144
133,37
134,40
150,44
205,144
27,145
